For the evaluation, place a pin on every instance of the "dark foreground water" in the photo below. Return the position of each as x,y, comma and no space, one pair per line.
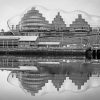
49,78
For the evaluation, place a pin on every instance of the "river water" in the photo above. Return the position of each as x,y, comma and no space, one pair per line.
46,78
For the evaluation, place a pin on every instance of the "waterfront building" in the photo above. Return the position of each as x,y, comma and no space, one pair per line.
54,35
61,42
58,23
33,22
12,42
55,69
27,41
9,42
80,25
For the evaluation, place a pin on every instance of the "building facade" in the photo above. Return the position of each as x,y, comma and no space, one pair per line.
33,22
58,24
56,34
80,25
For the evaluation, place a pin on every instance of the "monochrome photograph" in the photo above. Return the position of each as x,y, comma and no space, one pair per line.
49,49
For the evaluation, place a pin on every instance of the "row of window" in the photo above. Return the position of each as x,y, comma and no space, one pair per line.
8,43
33,29
34,24
8,46
33,21
81,28
53,29
27,15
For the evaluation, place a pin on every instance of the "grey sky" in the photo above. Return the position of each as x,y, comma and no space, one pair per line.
9,8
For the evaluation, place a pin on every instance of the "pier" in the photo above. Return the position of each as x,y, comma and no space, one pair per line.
40,51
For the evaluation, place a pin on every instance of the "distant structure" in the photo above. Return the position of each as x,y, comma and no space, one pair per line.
34,31
80,25
58,24
32,81
33,22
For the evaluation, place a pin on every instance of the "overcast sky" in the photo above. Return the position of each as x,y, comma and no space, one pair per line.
9,8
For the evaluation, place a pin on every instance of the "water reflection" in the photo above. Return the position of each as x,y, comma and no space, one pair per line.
36,75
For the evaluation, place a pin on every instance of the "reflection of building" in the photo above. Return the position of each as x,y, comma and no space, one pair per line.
79,79
9,62
58,80
32,82
34,73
